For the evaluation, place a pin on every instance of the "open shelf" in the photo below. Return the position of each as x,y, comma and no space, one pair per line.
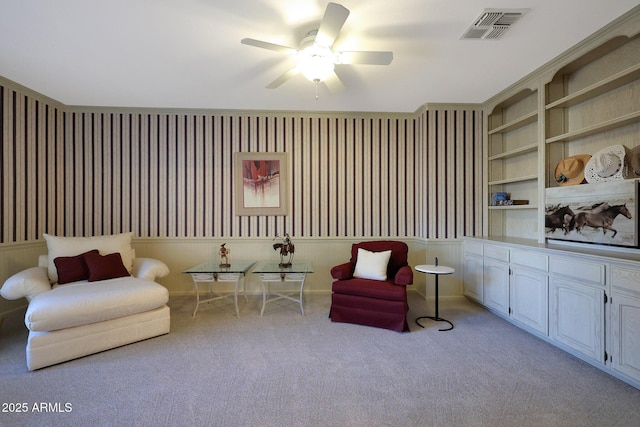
597,128
515,124
516,152
514,179
513,207
615,81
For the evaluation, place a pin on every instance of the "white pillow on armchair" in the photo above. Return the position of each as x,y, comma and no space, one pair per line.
372,265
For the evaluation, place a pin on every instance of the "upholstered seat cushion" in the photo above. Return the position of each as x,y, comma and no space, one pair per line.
378,303
82,303
371,289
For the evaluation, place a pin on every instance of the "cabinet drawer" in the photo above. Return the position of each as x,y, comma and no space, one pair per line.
473,248
529,259
592,272
496,252
625,278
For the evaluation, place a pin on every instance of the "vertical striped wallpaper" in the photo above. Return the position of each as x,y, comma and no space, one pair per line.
452,179
171,174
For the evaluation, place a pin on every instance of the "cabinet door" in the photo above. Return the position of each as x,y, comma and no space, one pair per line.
529,298
625,345
495,285
577,317
473,277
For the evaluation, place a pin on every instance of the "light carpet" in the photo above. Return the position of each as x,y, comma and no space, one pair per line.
286,370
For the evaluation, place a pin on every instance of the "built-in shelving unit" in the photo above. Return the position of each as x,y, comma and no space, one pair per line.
594,102
582,297
589,102
512,156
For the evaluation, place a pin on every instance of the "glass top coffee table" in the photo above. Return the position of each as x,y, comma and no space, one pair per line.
211,272
271,274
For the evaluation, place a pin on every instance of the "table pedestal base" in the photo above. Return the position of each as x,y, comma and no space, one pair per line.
436,271
435,319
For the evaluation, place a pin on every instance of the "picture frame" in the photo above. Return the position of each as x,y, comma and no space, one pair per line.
598,213
261,183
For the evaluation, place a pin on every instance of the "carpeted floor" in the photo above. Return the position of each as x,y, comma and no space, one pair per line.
286,370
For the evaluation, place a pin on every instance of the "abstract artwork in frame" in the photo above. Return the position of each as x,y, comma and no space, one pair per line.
601,213
261,183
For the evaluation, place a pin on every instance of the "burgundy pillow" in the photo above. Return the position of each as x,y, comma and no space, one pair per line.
72,268
103,267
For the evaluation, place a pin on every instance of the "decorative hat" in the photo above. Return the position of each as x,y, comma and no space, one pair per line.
570,171
608,164
634,162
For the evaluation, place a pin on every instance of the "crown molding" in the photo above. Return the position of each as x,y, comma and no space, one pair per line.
30,93
627,25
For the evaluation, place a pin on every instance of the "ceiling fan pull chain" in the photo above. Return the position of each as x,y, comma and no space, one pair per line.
316,91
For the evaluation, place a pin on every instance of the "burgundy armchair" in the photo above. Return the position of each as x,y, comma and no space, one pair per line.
378,303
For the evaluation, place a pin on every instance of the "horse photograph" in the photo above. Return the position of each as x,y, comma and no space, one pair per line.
593,213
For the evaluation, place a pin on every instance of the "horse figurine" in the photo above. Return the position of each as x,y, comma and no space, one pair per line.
286,249
602,216
562,217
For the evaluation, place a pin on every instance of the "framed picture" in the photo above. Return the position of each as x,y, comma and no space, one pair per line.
261,183
602,213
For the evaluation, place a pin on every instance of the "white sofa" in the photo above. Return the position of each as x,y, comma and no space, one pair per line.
78,318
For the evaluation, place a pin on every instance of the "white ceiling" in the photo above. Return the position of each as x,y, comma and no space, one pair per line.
187,53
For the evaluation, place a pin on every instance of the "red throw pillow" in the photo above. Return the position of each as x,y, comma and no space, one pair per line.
103,267
72,268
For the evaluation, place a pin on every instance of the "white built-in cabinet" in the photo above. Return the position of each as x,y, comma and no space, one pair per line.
577,317
577,305
584,299
472,272
529,290
625,320
510,282
495,278
584,302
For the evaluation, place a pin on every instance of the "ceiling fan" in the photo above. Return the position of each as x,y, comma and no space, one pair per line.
315,58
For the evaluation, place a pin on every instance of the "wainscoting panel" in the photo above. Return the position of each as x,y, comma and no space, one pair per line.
323,253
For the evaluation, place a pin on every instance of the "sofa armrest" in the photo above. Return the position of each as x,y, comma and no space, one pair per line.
404,276
149,268
26,284
342,271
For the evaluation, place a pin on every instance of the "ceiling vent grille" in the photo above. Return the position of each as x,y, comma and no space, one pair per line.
492,24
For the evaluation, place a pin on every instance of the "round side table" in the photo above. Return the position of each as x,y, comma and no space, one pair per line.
436,270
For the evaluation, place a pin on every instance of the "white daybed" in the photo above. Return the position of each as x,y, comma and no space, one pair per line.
82,317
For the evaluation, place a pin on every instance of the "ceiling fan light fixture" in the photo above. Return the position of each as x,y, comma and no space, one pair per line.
314,58
316,63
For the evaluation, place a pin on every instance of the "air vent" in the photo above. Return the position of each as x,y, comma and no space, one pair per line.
492,24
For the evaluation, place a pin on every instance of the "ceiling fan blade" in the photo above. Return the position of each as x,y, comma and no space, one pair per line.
334,84
267,45
283,78
334,18
368,57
